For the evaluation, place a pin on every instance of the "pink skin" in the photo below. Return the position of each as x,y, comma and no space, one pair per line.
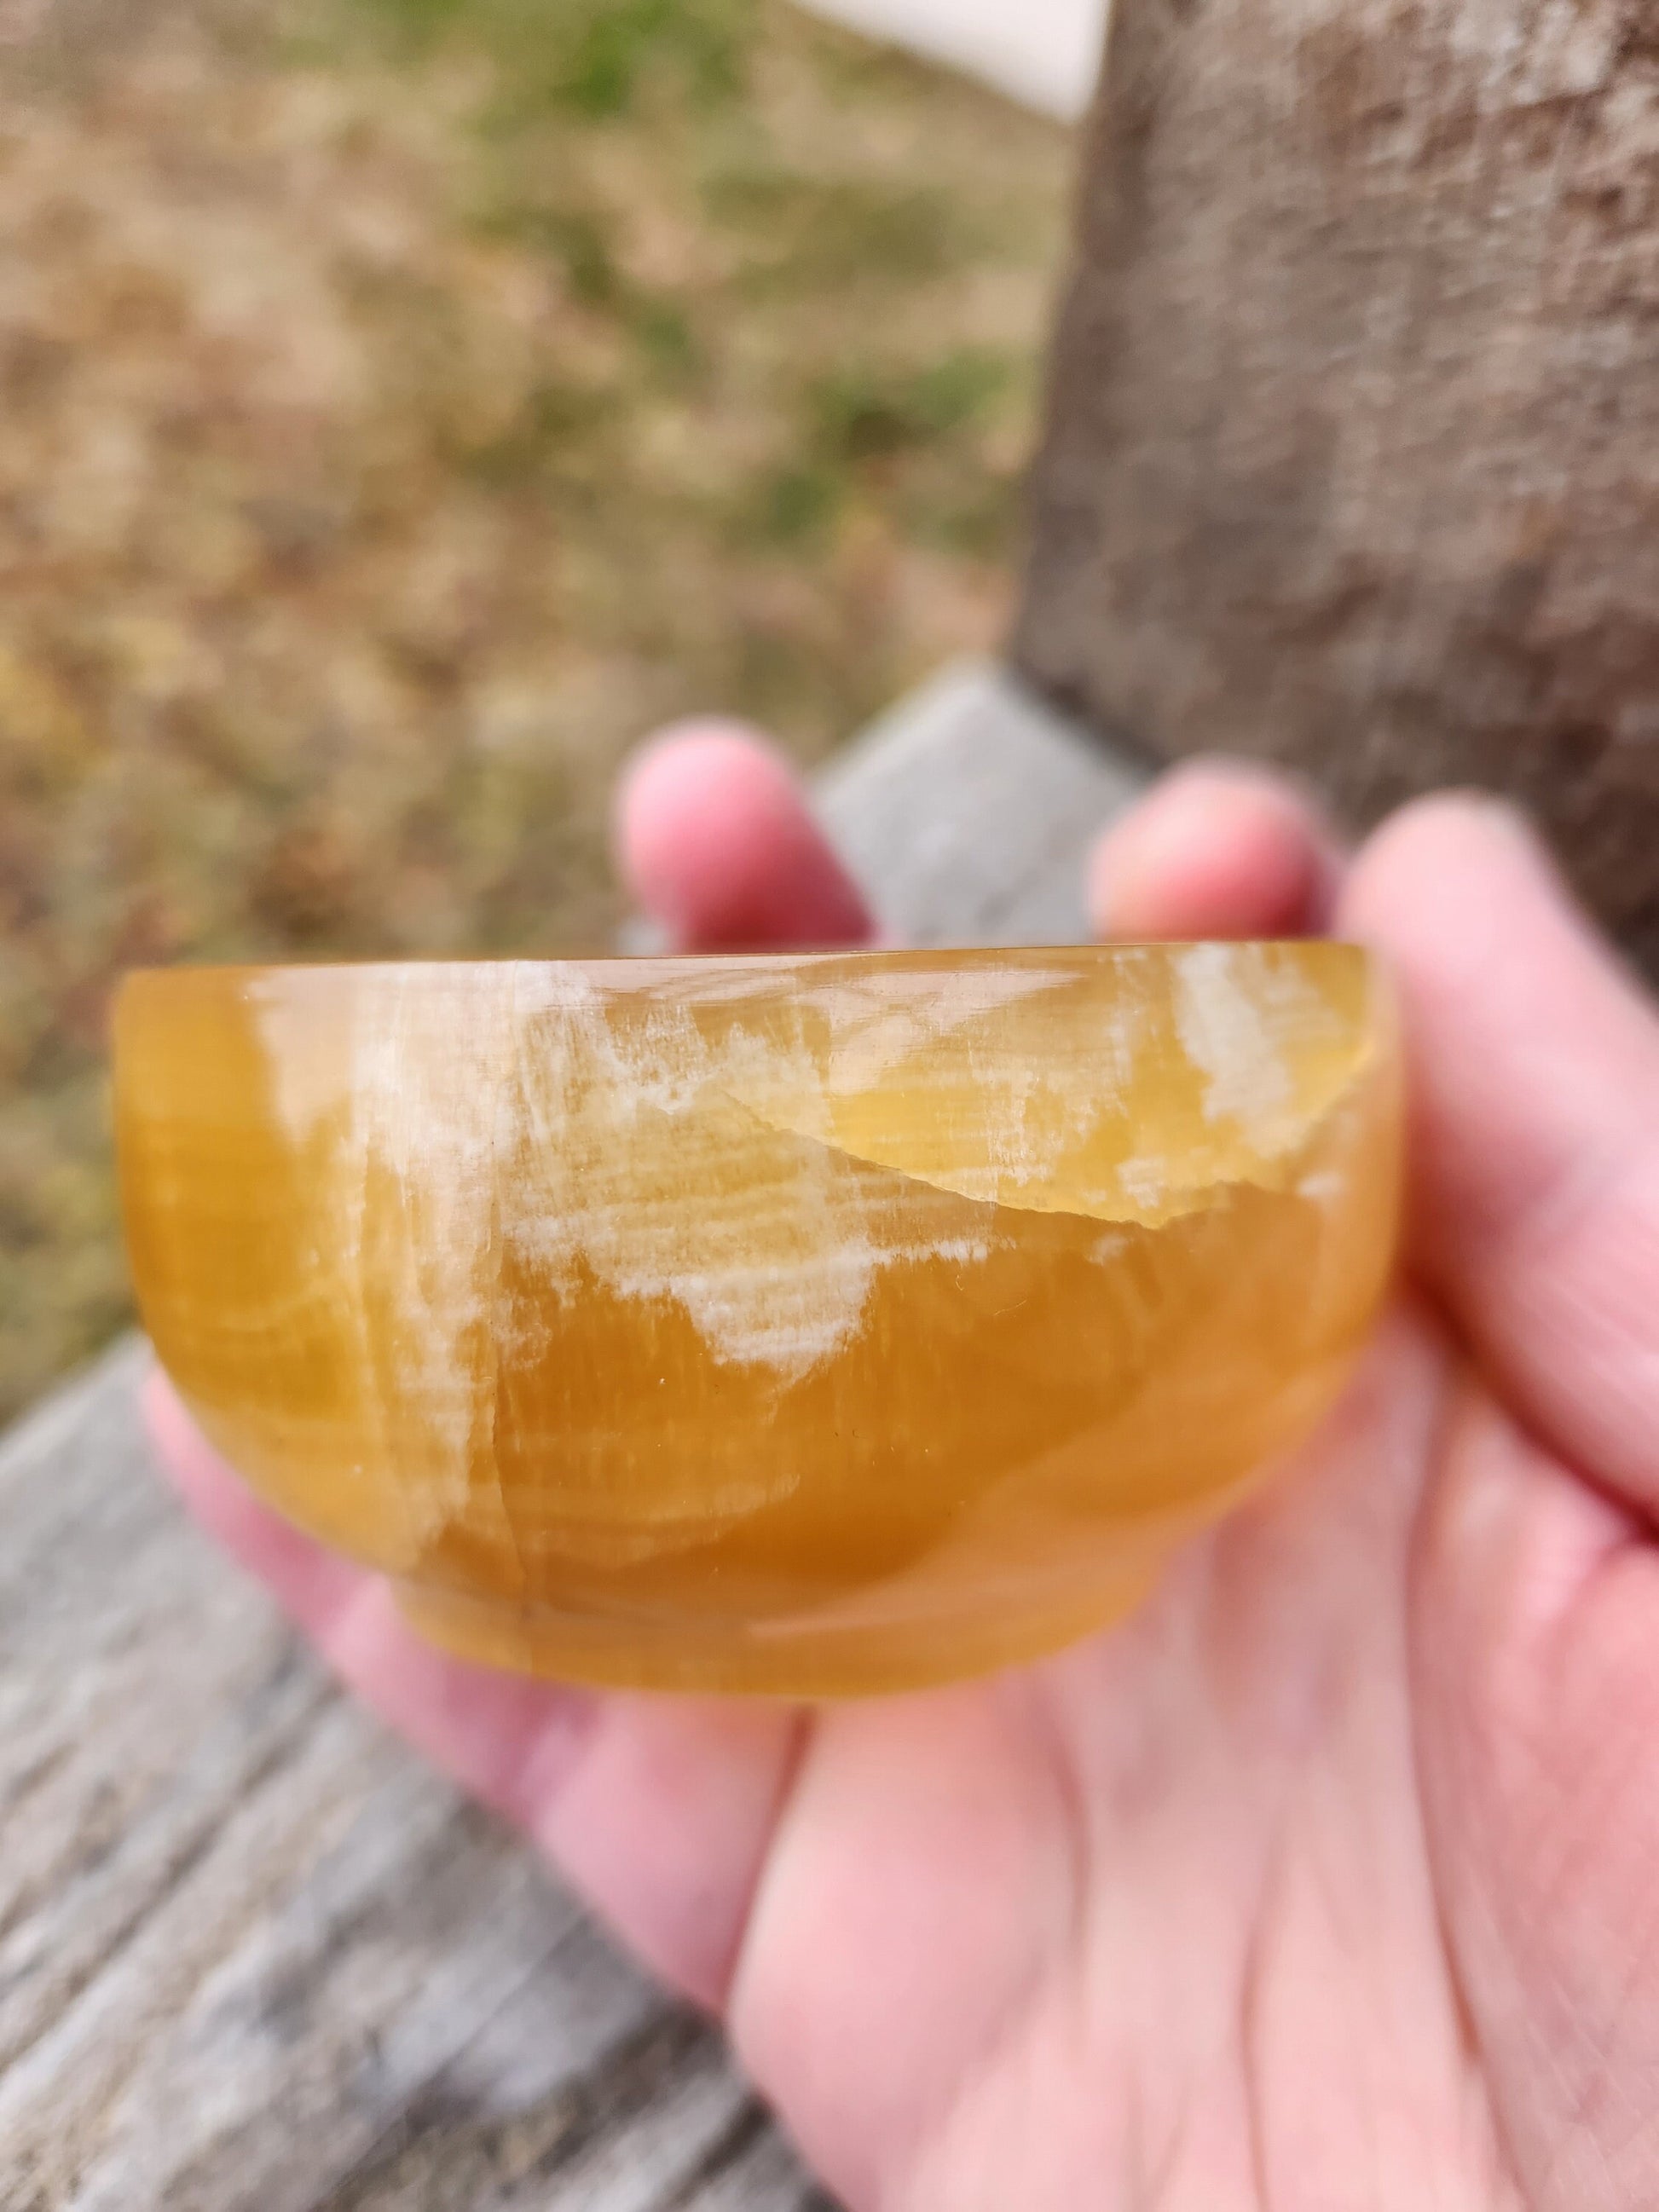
1328,1882
1218,848
713,841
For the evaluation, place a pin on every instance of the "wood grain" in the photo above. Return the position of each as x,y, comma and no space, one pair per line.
251,1955
1353,448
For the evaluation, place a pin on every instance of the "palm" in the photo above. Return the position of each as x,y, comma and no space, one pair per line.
1119,1916
1132,1915
1322,1881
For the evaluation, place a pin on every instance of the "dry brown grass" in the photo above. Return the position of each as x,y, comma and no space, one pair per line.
398,416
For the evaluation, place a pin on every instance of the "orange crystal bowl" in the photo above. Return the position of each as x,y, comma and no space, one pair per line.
809,1325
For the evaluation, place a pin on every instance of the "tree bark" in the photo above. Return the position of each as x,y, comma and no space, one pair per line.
1352,451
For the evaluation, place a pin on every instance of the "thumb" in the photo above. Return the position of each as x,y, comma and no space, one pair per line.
1535,1144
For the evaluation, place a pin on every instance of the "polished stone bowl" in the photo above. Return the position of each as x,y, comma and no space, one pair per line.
808,1325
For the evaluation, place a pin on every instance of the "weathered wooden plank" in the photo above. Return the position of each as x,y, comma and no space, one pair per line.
251,1953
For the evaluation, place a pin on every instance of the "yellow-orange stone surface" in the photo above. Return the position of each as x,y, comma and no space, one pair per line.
809,1325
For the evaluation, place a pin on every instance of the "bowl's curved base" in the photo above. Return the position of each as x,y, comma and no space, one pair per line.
808,1660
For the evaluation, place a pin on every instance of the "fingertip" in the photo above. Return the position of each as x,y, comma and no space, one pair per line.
1443,860
673,777
309,1583
715,840
1533,1063
665,1827
189,1462
1218,848
1529,1040
1486,937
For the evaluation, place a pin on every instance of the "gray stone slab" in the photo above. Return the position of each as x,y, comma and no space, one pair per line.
968,810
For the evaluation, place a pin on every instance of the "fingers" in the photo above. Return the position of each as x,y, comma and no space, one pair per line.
716,841
659,1810
1218,848
1535,1072
1534,1078
666,1827
1538,1711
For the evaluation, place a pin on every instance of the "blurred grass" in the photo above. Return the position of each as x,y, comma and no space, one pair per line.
405,406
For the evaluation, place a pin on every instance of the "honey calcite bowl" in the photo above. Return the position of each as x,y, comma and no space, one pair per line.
807,1325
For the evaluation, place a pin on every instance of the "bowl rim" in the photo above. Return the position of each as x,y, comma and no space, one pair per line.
871,957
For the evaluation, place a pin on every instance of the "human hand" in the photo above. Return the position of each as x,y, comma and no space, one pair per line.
1325,1880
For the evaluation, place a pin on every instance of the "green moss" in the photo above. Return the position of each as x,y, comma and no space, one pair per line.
874,410
797,503
594,59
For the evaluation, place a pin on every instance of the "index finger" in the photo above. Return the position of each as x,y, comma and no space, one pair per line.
716,842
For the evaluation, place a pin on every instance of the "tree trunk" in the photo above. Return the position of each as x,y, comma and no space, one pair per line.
1352,450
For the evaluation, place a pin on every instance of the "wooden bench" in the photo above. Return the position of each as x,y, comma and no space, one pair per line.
251,1953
